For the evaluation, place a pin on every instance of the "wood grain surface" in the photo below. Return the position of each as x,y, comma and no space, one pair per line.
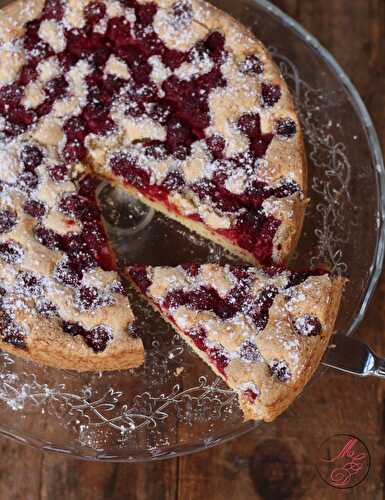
276,461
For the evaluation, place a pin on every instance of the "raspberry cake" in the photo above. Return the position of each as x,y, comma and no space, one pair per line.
262,331
174,101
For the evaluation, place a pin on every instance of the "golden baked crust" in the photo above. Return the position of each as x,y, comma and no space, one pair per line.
48,345
263,332
89,90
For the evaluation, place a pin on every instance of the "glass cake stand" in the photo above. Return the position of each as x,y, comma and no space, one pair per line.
173,404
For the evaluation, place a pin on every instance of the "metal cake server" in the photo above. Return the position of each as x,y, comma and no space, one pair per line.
352,356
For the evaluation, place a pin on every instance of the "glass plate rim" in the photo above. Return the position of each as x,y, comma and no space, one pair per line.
373,141
374,270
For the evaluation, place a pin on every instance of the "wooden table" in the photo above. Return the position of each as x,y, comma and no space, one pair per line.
276,461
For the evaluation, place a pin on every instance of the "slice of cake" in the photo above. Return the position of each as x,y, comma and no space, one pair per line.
263,331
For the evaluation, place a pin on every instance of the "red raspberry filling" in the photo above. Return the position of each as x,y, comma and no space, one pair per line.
237,300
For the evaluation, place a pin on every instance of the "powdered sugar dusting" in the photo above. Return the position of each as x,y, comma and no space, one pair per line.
241,320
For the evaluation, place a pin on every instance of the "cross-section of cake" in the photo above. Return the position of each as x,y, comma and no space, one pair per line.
203,128
262,331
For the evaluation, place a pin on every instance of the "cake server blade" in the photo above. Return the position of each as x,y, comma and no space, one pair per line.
352,356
